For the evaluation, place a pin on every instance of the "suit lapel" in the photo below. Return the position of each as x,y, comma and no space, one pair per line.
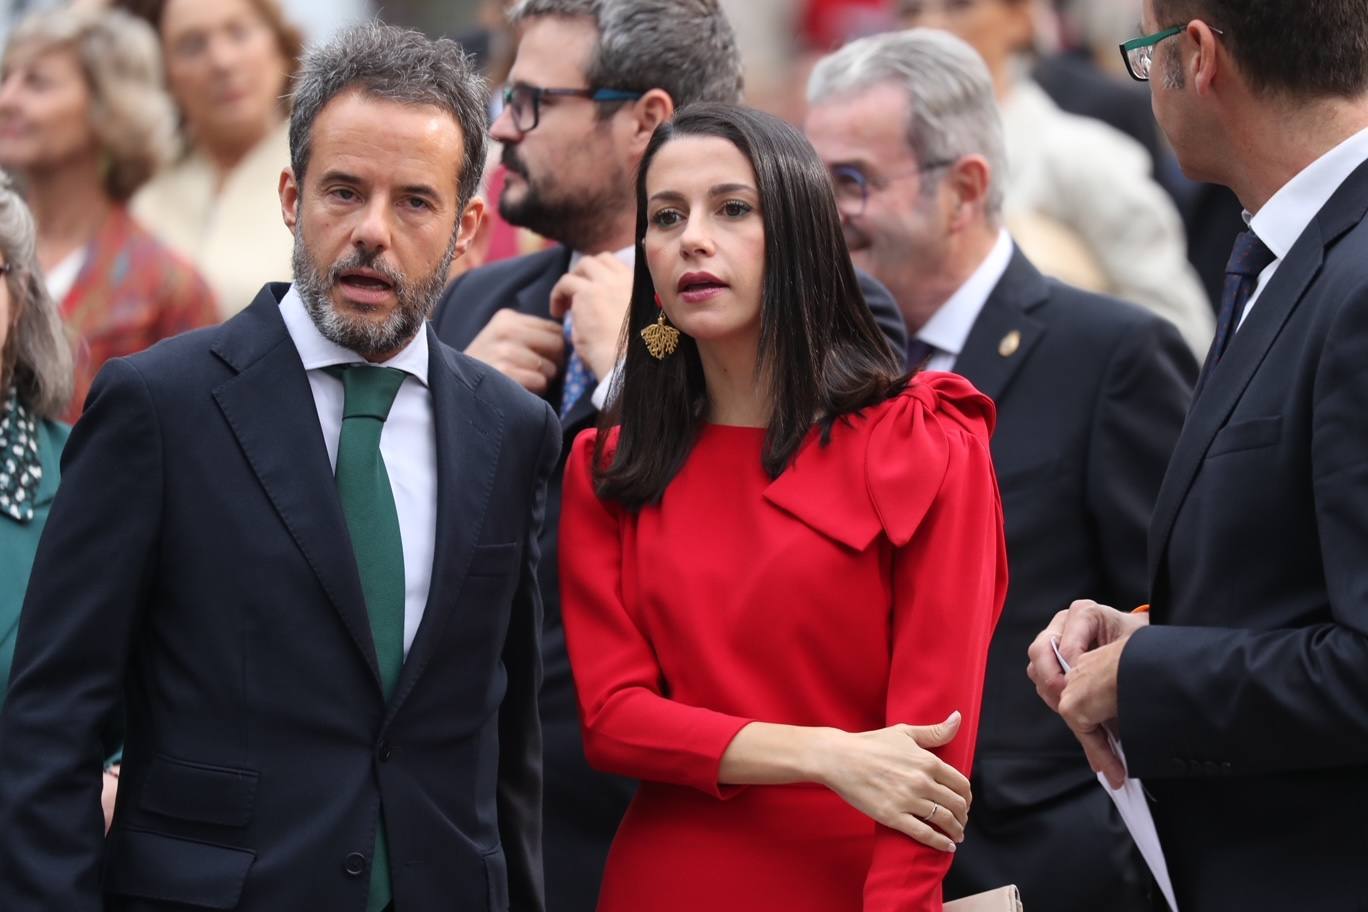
271,411
469,432
1227,381
534,298
1004,332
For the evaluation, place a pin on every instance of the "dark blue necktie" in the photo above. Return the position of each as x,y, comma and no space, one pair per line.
918,353
1249,258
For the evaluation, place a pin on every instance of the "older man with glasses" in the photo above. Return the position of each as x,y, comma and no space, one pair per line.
1077,174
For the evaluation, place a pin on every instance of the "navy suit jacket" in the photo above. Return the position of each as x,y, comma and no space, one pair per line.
1090,400
196,568
583,806
1244,706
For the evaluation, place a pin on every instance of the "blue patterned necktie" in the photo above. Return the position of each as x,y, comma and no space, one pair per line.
577,373
1249,258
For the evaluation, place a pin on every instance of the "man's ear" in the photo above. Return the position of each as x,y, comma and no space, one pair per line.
648,112
289,198
1205,59
469,226
971,180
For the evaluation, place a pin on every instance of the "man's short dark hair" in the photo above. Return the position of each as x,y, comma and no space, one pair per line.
685,47
1302,48
400,65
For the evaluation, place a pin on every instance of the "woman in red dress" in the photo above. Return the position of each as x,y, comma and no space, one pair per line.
782,554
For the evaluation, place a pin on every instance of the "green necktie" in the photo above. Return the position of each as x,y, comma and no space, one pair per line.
373,522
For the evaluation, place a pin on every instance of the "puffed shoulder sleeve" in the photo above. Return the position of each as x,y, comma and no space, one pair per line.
915,474
631,725
883,469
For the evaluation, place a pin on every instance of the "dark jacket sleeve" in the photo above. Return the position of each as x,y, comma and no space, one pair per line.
1273,701
90,583
520,742
885,311
1140,409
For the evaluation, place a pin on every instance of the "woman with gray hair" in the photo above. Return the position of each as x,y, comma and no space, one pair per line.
35,386
84,120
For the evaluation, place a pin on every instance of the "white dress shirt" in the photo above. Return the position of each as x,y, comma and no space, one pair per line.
1286,215
949,327
408,443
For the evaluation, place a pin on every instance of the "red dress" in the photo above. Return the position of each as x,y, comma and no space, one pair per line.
857,590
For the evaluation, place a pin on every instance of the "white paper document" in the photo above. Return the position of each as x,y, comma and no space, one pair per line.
1130,801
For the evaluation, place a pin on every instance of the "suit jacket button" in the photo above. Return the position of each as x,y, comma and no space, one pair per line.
355,865
385,752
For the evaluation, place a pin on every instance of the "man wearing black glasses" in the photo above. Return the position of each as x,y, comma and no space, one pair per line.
591,81
1241,699
1090,395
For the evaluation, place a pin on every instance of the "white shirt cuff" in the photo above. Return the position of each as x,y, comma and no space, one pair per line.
600,394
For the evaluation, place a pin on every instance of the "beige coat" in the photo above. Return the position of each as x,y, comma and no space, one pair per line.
1097,182
233,234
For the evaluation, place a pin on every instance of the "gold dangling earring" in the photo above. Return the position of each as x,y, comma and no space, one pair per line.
660,337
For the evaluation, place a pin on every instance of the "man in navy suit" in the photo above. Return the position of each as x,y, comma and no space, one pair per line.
590,84
1090,394
1241,698
299,552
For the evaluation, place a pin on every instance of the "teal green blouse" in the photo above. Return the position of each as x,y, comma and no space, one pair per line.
19,543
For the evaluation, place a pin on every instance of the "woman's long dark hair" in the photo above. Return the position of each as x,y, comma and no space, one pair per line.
821,354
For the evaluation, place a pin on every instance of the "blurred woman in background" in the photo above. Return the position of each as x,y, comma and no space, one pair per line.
84,120
35,386
228,65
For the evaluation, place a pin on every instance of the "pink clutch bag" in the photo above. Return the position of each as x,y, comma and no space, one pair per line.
1003,899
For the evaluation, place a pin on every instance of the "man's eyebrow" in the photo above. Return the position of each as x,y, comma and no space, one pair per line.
333,174
420,190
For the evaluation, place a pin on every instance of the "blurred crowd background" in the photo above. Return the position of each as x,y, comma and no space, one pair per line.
202,123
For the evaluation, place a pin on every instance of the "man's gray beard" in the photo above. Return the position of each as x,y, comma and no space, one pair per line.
580,224
367,339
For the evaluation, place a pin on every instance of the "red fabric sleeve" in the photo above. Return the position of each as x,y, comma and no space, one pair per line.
630,727
949,582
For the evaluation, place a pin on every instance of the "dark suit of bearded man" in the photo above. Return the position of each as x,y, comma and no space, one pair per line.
197,570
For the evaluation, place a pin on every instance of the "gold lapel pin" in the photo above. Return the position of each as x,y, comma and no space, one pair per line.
1009,344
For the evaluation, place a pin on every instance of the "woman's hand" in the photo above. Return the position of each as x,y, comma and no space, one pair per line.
889,775
109,793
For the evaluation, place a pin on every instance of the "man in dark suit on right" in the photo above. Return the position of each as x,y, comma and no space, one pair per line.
1241,699
1090,395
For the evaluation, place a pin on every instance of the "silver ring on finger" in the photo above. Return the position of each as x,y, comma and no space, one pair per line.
934,807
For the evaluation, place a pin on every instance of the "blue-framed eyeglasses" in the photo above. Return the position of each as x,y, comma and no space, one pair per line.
1139,52
524,101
